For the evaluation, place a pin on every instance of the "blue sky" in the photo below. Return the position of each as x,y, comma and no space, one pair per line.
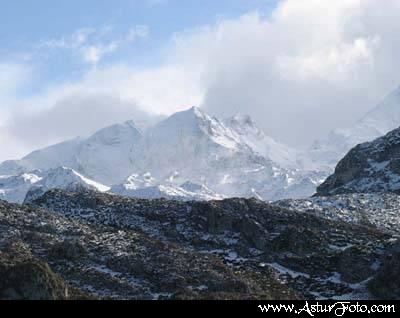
27,24
300,68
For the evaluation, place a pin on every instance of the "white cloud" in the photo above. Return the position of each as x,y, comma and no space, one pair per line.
312,66
92,45
103,97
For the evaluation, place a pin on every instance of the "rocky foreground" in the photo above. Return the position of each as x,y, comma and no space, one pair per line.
86,244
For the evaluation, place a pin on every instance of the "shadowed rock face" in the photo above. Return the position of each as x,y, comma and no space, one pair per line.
25,277
386,284
369,167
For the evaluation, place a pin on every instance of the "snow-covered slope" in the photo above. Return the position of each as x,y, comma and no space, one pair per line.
15,188
106,156
380,210
248,133
146,187
369,167
234,158
62,177
326,152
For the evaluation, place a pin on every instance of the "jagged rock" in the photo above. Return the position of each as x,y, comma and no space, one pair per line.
369,167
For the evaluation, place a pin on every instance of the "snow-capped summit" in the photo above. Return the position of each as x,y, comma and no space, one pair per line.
106,156
194,124
116,134
233,158
15,188
63,177
250,134
244,125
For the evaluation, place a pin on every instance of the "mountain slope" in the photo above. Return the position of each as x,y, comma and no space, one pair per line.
248,133
113,259
378,122
147,188
105,157
317,257
233,158
16,189
369,167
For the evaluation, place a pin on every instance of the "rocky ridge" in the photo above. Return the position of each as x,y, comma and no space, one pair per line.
369,167
307,253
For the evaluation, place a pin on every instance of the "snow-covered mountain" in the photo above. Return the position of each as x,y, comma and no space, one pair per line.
107,156
232,157
327,152
147,187
16,188
251,135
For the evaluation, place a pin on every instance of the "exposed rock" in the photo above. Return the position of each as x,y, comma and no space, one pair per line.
304,250
121,261
369,167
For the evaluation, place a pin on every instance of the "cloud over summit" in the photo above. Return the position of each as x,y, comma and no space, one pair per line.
300,71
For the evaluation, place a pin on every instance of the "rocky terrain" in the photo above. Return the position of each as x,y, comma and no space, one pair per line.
379,210
369,167
76,238
113,247
45,255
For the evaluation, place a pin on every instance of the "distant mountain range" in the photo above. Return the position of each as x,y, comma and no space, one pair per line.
78,239
191,156
188,156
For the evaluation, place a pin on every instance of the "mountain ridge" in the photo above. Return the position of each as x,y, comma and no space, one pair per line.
232,157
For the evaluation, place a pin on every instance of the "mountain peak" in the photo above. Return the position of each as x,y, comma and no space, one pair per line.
243,119
243,124
193,113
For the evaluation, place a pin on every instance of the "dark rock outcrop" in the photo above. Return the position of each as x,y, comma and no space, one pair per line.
369,167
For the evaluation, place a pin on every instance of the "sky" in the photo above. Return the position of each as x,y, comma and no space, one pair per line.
300,68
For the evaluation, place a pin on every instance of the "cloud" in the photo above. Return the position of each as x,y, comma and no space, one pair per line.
104,96
307,68
13,77
93,44
75,115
